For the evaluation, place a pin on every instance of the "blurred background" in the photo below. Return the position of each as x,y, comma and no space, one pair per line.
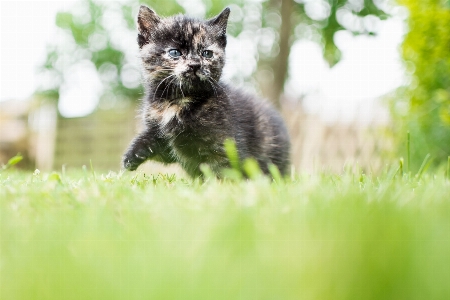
351,77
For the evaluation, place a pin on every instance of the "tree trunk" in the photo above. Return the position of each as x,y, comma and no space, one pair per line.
280,62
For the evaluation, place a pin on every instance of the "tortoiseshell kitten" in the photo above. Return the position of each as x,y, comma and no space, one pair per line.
188,112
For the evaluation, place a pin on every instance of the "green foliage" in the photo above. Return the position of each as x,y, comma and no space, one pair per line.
322,236
423,107
328,27
325,28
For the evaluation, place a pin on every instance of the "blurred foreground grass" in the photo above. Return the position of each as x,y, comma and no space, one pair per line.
86,236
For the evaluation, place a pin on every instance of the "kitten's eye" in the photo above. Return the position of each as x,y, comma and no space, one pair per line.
174,53
207,53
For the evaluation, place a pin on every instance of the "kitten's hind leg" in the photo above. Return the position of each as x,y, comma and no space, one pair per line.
145,146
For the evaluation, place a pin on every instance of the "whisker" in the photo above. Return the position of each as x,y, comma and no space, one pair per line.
154,94
217,84
181,89
167,87
155,74
212,85
162,70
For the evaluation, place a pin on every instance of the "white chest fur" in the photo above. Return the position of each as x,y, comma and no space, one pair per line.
169,113
165,113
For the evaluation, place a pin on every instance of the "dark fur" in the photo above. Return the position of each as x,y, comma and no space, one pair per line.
188,112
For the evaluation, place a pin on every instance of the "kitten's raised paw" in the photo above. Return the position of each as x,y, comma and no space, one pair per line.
130,165
131,161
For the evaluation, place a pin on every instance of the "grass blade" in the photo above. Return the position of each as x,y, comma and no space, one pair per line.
408,151
13,161
276,175
448,168
423,166
232,153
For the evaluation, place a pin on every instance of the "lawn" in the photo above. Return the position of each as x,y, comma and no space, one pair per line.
82,235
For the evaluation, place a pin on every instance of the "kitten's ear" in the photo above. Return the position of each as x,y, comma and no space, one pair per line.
220,21
147,19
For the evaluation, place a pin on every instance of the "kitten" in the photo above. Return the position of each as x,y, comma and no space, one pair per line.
188,112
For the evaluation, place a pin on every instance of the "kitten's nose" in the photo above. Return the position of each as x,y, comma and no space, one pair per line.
194,66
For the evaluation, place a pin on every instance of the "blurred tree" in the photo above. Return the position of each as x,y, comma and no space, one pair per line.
103,33
423,107
318,20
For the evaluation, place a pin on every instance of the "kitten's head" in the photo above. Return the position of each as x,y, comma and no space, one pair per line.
181,52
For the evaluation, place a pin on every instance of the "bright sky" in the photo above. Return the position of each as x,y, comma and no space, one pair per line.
370,67
26,27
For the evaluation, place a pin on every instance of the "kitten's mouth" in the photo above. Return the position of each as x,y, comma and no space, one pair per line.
199,74
189,75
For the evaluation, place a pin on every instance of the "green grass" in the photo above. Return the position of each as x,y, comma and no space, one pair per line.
352,236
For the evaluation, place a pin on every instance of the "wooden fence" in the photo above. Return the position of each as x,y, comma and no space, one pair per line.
103,136
318,146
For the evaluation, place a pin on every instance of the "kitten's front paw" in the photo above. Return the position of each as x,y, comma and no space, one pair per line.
129,164
131,161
